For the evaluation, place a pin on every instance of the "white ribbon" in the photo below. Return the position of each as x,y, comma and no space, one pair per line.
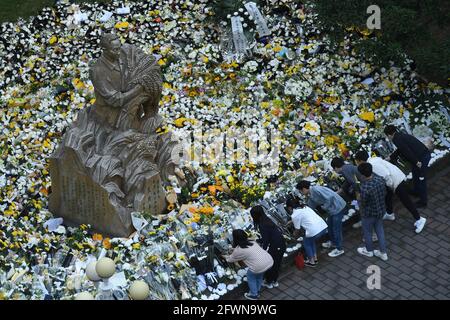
106,16
239,40
445,112
261,24
124,10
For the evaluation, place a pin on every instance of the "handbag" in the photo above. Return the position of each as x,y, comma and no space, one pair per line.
299,261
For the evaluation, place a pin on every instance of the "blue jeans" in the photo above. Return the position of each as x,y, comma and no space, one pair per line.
310,244
368,225
335,228
254,282
419,177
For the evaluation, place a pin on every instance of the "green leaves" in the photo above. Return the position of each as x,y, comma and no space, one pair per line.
416,28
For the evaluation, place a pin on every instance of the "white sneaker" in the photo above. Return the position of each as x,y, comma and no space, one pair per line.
364,252
335,253
275,284
267,285
381,255
420,224
327,245
249,296
357,225
388,216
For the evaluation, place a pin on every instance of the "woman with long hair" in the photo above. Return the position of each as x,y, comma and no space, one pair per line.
272,240
254,257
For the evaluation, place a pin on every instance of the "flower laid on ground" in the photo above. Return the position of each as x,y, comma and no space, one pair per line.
367,116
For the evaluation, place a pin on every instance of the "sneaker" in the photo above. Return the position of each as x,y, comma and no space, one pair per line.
249,296
327,245
388,216
335,253
381,255
420,224
275,284
310,264
364,252
268,285
357,225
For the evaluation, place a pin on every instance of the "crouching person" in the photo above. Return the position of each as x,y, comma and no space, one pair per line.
315,227
334,205
254,257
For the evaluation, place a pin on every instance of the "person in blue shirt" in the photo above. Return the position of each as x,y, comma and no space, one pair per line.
334,205
351,176
272,240
350,185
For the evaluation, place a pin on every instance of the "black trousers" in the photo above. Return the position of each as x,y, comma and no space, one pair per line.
271,275
348,195
419,178
402,193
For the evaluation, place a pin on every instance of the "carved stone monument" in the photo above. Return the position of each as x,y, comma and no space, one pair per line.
112,161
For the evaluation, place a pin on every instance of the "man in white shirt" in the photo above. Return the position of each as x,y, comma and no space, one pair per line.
315,227
396,183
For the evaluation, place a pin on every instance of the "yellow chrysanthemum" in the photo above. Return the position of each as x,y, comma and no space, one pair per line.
53,39
121,25
207,210
180,122
367,116
97,237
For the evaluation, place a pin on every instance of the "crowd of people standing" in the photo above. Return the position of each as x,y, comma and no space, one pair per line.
371,181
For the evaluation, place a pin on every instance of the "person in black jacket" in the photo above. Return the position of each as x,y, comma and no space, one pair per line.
272,238
417,154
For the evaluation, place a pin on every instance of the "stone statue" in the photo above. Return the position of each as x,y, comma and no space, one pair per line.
112,161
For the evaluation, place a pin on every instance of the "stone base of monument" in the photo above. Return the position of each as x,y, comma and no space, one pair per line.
78,199
152,198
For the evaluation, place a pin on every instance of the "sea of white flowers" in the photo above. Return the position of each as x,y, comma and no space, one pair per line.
318,103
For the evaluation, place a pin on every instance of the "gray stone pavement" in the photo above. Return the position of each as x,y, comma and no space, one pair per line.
418,265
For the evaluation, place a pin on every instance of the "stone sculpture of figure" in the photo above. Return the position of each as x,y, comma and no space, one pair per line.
115,142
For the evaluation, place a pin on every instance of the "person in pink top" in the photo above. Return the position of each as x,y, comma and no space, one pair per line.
254,257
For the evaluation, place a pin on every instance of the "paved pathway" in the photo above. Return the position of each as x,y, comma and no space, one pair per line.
418,265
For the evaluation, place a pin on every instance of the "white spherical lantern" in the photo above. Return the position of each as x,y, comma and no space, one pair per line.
105,267
91,273
139,290
84,296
